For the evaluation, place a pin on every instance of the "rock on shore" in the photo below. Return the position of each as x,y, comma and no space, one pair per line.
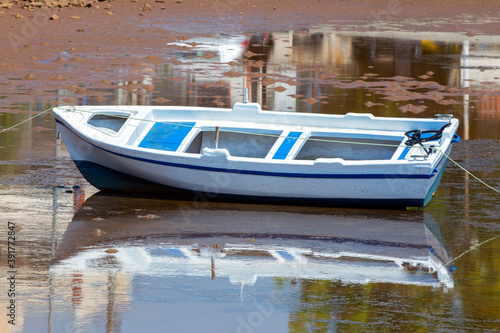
47,3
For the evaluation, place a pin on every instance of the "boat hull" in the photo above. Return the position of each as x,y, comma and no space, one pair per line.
109,180
126,173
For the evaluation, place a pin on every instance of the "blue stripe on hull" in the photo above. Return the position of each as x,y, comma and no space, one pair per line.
110,180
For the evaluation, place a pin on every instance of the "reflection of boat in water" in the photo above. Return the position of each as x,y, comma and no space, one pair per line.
247,243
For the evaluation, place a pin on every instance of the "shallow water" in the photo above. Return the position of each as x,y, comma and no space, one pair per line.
187,265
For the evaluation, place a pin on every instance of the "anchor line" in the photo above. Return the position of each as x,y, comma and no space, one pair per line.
469,250
24,121
468,172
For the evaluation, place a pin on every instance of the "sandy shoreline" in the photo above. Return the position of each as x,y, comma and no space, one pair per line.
245,13
64,47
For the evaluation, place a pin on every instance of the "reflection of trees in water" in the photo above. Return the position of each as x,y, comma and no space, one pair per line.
330,306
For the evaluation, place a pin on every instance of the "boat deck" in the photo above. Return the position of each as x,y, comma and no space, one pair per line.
274,143
247,131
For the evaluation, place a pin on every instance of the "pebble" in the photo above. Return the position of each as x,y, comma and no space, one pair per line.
98,232
30,77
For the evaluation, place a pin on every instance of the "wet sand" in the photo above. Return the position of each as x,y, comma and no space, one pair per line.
94,44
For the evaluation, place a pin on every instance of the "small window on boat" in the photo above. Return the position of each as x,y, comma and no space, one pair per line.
111,123
195,146
347,149
238,144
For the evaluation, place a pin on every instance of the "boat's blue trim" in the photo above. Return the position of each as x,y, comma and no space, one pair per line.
456,138
167,252
427,135
166,136
110,180
157,252
404,153
435,184
261,173
285,255
286,146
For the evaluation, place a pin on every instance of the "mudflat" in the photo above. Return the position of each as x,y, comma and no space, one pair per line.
49,46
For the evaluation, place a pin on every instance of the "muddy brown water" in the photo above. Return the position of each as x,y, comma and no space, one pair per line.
88,262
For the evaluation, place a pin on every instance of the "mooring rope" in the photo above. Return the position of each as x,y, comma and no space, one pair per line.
472,248
415,137
24,121
468,172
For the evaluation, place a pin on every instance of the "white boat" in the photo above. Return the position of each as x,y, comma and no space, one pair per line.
245,153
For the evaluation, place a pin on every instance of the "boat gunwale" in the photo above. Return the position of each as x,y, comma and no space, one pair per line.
340,133
143,112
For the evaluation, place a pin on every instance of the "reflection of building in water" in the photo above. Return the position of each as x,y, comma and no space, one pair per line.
480,69
39,228
480,75
135,92
453,61
310,57
99,297
125,92
303,57
280,60
196,76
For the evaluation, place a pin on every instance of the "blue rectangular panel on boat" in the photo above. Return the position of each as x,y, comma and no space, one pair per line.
166,136
404,153
286,146
167,252
286,255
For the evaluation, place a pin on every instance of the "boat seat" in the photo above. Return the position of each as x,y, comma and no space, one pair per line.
169,136
287,146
